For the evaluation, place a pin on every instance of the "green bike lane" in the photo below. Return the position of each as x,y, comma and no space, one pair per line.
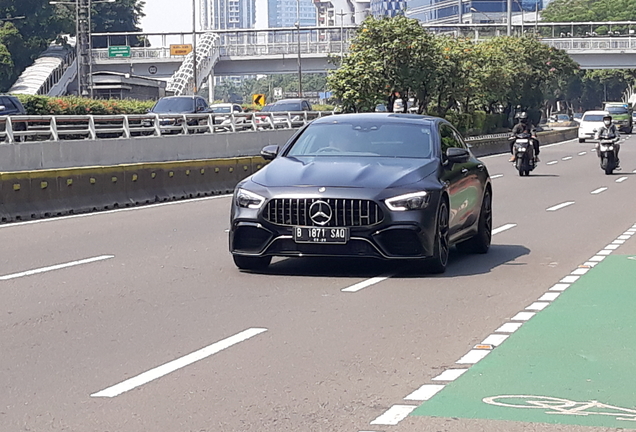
572,363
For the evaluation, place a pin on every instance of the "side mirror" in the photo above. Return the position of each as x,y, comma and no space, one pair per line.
457,155
269,152
2,108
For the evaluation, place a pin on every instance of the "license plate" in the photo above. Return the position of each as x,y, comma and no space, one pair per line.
321,235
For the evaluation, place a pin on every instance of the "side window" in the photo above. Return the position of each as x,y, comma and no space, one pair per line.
448,139
306,106
200,104
8,104
237,108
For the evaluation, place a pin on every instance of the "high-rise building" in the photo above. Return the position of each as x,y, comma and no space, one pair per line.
390,8
341,12
228,14
285,13
473,11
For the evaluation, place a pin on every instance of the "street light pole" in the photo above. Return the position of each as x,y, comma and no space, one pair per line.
509,18
194,45
300,77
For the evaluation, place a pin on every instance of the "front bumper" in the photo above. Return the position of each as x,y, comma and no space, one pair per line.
400,235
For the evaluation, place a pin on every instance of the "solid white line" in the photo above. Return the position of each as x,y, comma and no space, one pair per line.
552,162
496,176
503,228
172,366
495,339
426,392
566,158
599,190
394,415
97,213
509,328
56,267
367,283
449,375
582,153
560,206
473,356
621,179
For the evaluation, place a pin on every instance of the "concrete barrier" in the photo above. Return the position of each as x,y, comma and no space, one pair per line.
26,195
35,193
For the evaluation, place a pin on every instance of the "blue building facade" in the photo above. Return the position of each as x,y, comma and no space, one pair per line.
390,8
447,11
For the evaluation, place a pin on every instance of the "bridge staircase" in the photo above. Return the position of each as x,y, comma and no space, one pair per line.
50,74
207,52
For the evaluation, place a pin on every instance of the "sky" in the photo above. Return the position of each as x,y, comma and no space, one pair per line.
176,16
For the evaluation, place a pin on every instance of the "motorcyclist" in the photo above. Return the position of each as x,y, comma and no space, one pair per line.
609,131
524,126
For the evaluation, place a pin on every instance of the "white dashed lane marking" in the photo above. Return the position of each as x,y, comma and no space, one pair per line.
56,267
552,162
560,206
394,415
496,176
503,228
426,392
582,153
179,363
621,179
567,158
598,191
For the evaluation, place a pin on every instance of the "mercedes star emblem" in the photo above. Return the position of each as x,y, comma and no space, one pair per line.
320,213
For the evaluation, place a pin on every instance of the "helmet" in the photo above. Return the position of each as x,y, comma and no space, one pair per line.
523,117
607,119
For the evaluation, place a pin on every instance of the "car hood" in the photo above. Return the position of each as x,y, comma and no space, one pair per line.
366,172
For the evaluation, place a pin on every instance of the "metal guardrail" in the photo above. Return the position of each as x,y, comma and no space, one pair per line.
53,128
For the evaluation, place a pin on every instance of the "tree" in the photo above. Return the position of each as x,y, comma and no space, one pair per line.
388,54
589,10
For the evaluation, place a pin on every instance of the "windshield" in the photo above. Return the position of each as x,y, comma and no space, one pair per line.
220,110
593,117
617,110
287,106
267,108
176,105
364,139
563,117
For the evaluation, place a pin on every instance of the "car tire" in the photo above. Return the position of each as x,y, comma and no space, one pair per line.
437,263
581,140
251,263
480,242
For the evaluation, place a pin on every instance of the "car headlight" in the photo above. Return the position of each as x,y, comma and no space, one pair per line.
411,201
247,199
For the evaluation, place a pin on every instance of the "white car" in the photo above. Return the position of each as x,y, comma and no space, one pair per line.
223,115
590,123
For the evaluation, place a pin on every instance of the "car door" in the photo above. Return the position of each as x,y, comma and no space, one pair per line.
463,181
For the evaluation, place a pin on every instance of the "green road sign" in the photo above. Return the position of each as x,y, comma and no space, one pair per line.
573,363
119,51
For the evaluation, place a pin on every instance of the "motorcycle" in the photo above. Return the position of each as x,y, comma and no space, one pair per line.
523,151
605,151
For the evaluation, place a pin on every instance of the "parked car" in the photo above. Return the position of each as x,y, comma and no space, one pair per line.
280,108
10,105
375,185
590,123
179,105
223,115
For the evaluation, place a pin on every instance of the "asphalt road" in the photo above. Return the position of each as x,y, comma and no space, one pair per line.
146,325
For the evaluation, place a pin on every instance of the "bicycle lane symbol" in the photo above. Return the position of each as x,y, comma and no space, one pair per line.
553,405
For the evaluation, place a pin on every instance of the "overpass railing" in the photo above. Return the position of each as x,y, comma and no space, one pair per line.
81,127
593,43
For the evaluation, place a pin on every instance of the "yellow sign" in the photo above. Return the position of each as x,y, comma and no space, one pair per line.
258,99
180,49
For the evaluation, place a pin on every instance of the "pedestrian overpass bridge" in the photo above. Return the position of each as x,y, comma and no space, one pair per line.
314,49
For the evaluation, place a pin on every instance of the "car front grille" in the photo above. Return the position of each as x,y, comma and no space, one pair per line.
343,212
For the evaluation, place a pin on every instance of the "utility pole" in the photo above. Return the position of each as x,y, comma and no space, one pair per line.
300,75
509,18
194,46
341,15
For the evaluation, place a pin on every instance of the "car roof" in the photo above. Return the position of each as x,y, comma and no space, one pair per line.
385,118
223,104
595,112
289,100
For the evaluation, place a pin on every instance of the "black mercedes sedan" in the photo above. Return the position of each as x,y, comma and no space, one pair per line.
387,186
